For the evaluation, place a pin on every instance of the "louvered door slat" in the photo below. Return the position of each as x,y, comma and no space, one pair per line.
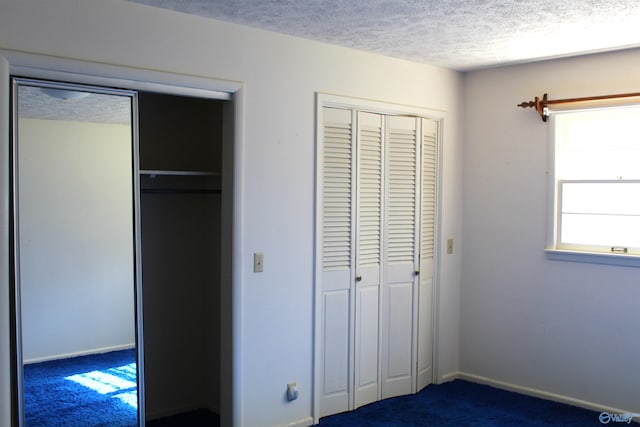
428,192
369,194
401,178
337,186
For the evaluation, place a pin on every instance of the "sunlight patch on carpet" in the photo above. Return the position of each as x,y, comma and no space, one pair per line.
118,382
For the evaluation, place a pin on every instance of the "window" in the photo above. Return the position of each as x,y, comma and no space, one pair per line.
597,181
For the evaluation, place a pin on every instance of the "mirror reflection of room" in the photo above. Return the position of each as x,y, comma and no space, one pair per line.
75,277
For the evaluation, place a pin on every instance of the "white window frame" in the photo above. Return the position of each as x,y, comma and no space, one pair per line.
564,252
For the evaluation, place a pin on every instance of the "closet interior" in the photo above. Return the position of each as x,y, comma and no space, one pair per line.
180,157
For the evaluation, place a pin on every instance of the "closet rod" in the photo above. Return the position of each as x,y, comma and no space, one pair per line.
179,191
540,105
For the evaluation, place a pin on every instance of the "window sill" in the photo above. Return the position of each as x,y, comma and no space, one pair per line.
624,260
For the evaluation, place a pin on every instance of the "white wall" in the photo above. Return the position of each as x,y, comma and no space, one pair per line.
557,327
275,215
76,246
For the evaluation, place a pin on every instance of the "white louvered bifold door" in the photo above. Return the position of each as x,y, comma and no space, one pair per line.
368,257
377,193
400,257
337,164
427,245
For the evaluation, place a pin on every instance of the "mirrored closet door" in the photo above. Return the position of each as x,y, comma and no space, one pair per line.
75,187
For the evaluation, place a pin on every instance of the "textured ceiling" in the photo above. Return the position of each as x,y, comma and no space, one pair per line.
457,34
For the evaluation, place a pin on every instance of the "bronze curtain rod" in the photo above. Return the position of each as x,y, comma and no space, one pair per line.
541,104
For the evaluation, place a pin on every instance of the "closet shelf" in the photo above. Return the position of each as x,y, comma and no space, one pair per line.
180,191
154,173
179,182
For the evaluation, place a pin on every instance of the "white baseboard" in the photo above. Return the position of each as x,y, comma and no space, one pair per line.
305,422
448,377
534,392
80,353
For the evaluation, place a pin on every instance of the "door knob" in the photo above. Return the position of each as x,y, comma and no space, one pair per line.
416,273
358,278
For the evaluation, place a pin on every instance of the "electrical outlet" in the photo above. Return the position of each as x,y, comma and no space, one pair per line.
258,262
292,391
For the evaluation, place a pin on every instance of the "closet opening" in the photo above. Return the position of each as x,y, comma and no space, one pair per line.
228,98
182,242
179,207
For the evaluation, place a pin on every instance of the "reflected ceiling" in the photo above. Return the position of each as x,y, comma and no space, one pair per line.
96,108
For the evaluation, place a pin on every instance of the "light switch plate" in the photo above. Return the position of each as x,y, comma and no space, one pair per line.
258,262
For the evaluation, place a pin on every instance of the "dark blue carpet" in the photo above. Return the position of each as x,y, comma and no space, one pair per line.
461,403
86,391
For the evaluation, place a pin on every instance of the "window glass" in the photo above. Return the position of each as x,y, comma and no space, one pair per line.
597,180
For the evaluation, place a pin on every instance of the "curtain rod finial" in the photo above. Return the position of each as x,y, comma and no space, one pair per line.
526,104
539,104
